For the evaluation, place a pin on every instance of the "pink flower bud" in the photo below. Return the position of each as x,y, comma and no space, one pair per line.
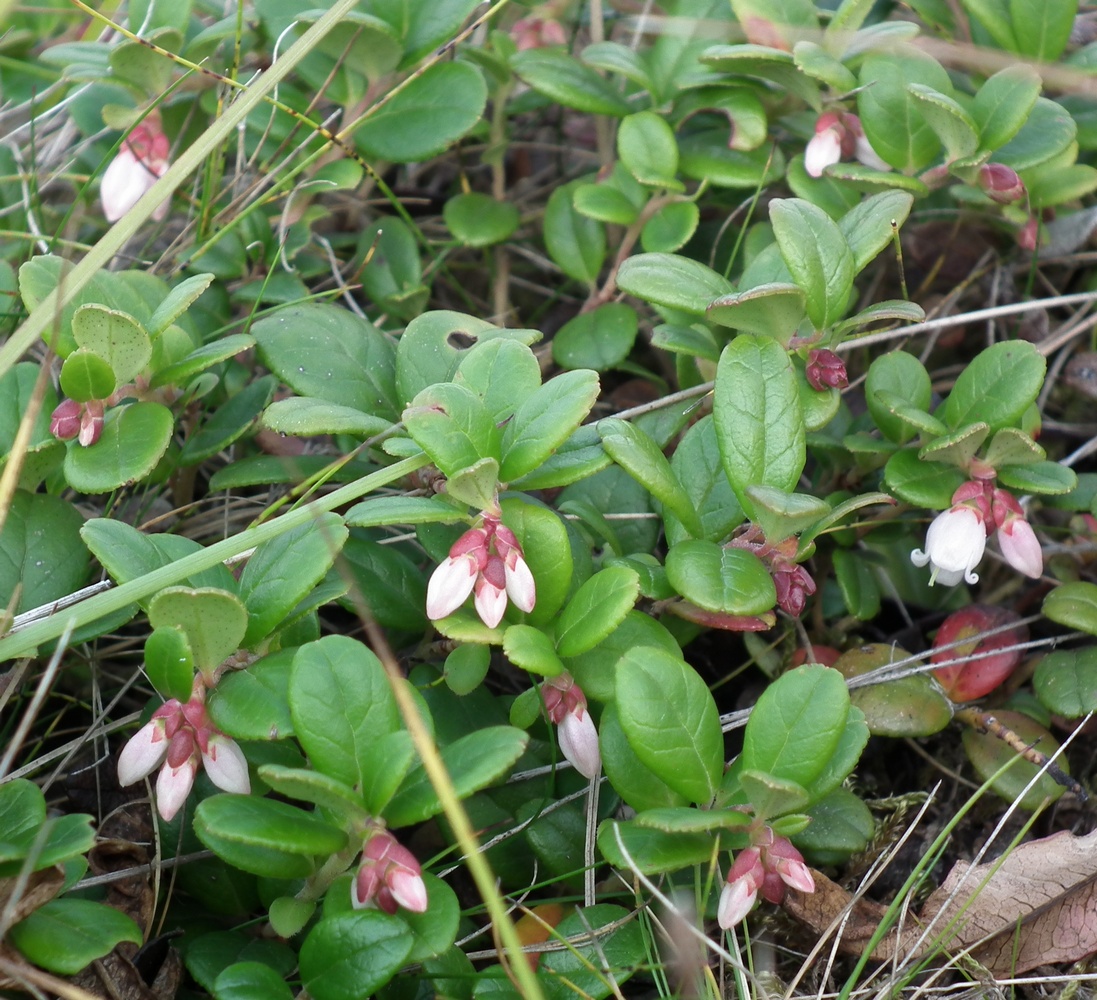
176,777
1001,183
578,739
740,892
91,422
408,889
862,148
995,662
390,876
491,592
143,753
1017,540
140,162
826,370
824,148
785,861
450,585
793,587
65,419
224,762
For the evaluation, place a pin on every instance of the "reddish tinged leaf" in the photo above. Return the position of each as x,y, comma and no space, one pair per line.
994,662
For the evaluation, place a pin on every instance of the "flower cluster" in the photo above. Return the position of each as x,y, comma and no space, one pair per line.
487,561
140,162
182,738
766,868
957,537
567,708
83,421
794,584
825,370
389,876
839,136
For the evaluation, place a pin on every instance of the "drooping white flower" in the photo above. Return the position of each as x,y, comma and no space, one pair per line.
954,545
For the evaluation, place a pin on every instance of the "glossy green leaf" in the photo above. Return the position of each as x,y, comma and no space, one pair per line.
281,572
923,484
647,147
250,981
642,459
229,422
385,764
327,352
720,578
547,551
997,386
529,648
902,375
673,281
576,243
433,930
466,667
545,420
817,254
1049,129
699,468
403,510
670,719
1073,605
85,376
771,310
253,704
841,825
954,126
169,662
1066,681
628,846
608,940
64,935
891,116
757,412
781,514
857,584
213,621
478,220
434,109
306,785
671,227
1042,30
264,836
300,416
1038,477
870,225
114,336
797,724
596,609
453,426
599,339
1003,102
595,670
340,702
565,80
201,359
40,551
633,780
501,373
350,956
473,762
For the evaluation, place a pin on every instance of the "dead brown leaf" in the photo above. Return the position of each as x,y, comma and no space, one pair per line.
1038,906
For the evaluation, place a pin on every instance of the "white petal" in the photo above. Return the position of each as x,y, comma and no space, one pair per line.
449,586
173,786
143,754
822,150
578,739
226,766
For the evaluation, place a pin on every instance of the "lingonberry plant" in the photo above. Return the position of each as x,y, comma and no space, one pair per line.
468,472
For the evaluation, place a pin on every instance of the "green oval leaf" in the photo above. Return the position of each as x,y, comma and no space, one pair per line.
817,255
85,375
720,578
596,609
670,719
671,280
114,336
212,620
134,439
567,81
64,935
997,386
1073,605
478,220
351,955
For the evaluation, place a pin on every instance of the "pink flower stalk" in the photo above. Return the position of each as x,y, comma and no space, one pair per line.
765,868
389,875
575,730
839,136
1016,539
826,370
182,739
957,537
140,162
486,561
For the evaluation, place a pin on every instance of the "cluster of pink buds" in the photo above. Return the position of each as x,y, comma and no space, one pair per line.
794,584
182,738
537,33
487,561
825,370
567,708
957,537
83,421
839,136
140,162
389,876
765,868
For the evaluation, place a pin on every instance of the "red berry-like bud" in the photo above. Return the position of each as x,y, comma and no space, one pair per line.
65,419
1001,183
825,370
993,661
